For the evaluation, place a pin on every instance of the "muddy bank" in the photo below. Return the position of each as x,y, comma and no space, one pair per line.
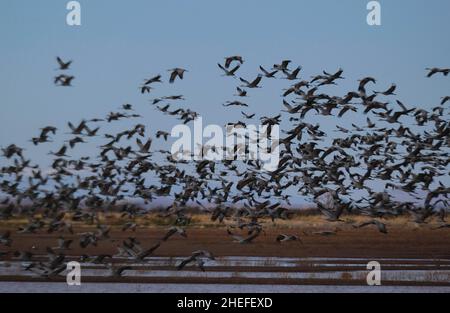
401,242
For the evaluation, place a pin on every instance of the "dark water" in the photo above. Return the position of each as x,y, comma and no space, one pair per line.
6,287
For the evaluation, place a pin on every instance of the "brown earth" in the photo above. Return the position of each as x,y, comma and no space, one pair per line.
404,240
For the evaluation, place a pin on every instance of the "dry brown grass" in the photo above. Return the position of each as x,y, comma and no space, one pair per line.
201,220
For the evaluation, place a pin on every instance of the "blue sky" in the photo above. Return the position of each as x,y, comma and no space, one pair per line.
122,42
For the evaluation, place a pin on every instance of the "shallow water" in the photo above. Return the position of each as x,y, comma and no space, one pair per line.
400,270
6,287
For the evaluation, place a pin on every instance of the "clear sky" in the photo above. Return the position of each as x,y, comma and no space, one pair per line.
122,42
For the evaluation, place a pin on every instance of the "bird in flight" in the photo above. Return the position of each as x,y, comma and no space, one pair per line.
241,92
235,103
380,226
436,70
63,65
268,74
227,72
253,84
248,116
283,238
64,80
293,75
388,92
283,66
198,257
229,60
176,72
156,79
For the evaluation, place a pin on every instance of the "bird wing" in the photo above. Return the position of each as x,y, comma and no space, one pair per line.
402,105
256,81
228,62
263,70
185,262
173,75
60,62
170,233
251,237
234,70
244,81
222,68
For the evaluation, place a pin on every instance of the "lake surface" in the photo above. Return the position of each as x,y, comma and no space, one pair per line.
12,287
242,274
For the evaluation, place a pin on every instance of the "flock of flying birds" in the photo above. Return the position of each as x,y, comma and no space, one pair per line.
401,147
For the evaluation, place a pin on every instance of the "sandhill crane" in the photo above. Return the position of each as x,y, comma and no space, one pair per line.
145,253
163,134
283,66
325,233
389,91
197,256
229,60
61,152
268,74
445,99
363,82
64,80
331,215
248,116
245,240
235,103
63,65
145,89
144,148
176,72
253,84
293,75
74,141
155,79
380,226
284,238
436,70
227,72
241,92
174,230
